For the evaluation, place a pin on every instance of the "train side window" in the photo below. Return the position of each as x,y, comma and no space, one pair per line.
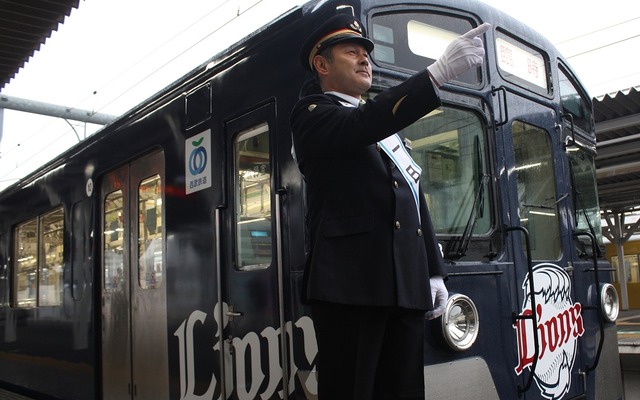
25,287
79,246
449,145
39,250
50,267
150,251
113,241
585,194
575,103
536,182
252,170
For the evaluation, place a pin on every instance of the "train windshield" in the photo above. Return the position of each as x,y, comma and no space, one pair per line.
586,206
449,145
411,42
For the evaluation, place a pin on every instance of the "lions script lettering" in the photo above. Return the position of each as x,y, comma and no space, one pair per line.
559,327
243,357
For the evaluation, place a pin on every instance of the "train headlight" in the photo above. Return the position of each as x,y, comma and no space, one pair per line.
609,302
460,322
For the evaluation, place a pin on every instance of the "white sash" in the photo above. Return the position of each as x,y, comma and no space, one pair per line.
394,148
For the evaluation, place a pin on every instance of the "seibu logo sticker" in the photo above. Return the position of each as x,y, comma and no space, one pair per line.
559,327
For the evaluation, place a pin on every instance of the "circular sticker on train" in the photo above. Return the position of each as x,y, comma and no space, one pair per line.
89,187
559,325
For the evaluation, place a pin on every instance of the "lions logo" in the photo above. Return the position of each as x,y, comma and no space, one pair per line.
559,327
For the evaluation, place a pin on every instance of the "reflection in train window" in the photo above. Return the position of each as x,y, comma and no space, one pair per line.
538,204
253,199
50,271
574,102
449,145
150,254
114,242
39,250
26,262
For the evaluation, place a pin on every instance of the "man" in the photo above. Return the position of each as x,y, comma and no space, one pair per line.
374,266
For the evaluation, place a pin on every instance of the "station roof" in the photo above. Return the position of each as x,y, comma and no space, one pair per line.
24,26
617,119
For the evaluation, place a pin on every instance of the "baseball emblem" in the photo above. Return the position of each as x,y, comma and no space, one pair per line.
559,325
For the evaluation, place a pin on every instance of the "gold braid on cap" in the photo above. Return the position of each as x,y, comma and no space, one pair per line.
339,32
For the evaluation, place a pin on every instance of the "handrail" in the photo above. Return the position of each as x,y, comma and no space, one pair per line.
532,298
594,256
494,91
218,232
283,338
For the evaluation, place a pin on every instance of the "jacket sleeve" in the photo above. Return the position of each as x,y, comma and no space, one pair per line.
323,128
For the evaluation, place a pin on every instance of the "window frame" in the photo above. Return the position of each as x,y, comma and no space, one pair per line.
40,268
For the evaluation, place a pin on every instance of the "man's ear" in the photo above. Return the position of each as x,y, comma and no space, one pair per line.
320,65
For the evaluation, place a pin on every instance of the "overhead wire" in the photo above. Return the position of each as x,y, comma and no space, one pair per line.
44,129
238,15
140,60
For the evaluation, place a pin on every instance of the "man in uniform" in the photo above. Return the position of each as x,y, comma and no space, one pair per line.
374,266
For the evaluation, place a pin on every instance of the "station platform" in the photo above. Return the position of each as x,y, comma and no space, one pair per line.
628,325
629,332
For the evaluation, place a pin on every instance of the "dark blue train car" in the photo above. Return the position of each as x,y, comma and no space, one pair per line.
162,257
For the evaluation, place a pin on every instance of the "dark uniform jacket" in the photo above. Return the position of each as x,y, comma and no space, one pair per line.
367,244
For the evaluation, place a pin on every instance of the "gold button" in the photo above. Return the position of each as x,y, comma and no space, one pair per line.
397,224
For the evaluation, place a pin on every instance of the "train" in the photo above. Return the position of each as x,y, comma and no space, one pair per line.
163,257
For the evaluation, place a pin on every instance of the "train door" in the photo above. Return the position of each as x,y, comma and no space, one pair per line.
547,320
250,269
134,314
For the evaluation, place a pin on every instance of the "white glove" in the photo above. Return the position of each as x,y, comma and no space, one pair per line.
461,55
439,297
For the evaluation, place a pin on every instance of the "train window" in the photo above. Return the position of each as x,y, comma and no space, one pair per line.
79,246
575,103
536,180
39,249
449,145
114,241
26,264
585,193
150,254
522,64
253,199
50,268
413,41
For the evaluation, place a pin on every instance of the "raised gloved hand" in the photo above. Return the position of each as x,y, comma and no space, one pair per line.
439,297
461,55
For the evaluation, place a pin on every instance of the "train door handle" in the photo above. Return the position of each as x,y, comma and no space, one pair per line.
231,313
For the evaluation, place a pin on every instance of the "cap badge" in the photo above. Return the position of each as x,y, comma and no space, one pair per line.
355,26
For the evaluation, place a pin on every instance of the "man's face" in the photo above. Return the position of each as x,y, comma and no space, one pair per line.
347,71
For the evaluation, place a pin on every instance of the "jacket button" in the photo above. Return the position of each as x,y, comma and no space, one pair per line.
419,232
397,224
378,146
395,184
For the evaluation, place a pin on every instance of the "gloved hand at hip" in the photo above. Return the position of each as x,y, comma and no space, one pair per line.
462,54
439,297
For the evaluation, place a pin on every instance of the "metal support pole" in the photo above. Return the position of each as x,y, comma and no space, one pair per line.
52,110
